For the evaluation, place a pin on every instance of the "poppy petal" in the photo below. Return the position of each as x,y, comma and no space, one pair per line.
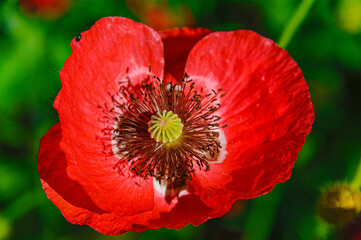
214,193
114,52
77,207
178,42
267,108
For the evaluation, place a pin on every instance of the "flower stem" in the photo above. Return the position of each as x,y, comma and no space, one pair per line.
356,182
295,22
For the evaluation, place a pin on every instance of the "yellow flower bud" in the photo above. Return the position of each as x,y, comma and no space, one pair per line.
339,204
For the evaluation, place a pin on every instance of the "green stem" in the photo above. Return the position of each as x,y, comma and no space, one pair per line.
295,22
356,182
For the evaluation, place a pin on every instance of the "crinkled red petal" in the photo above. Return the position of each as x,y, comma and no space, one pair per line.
78,208
267,108
211,186
178,42
115,51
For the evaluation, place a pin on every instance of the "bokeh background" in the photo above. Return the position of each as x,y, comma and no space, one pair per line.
34,43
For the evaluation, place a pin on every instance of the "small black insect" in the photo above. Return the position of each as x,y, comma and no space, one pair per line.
78,38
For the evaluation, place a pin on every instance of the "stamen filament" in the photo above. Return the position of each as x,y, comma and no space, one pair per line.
166,131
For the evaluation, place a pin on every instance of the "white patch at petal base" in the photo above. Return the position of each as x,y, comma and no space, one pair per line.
183,193
114,142
222,151
162,188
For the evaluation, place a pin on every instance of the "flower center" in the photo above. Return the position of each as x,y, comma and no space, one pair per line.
165,131
165,127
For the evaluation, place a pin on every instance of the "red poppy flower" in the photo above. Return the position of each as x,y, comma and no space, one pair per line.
160,15
142,145
49,9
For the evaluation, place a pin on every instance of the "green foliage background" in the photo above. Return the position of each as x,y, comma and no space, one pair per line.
33,50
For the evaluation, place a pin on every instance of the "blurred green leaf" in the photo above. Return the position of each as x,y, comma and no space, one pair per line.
14,179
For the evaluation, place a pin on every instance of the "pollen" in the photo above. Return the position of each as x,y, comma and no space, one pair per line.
165,127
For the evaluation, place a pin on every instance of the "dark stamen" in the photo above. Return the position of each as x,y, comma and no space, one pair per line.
169,161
